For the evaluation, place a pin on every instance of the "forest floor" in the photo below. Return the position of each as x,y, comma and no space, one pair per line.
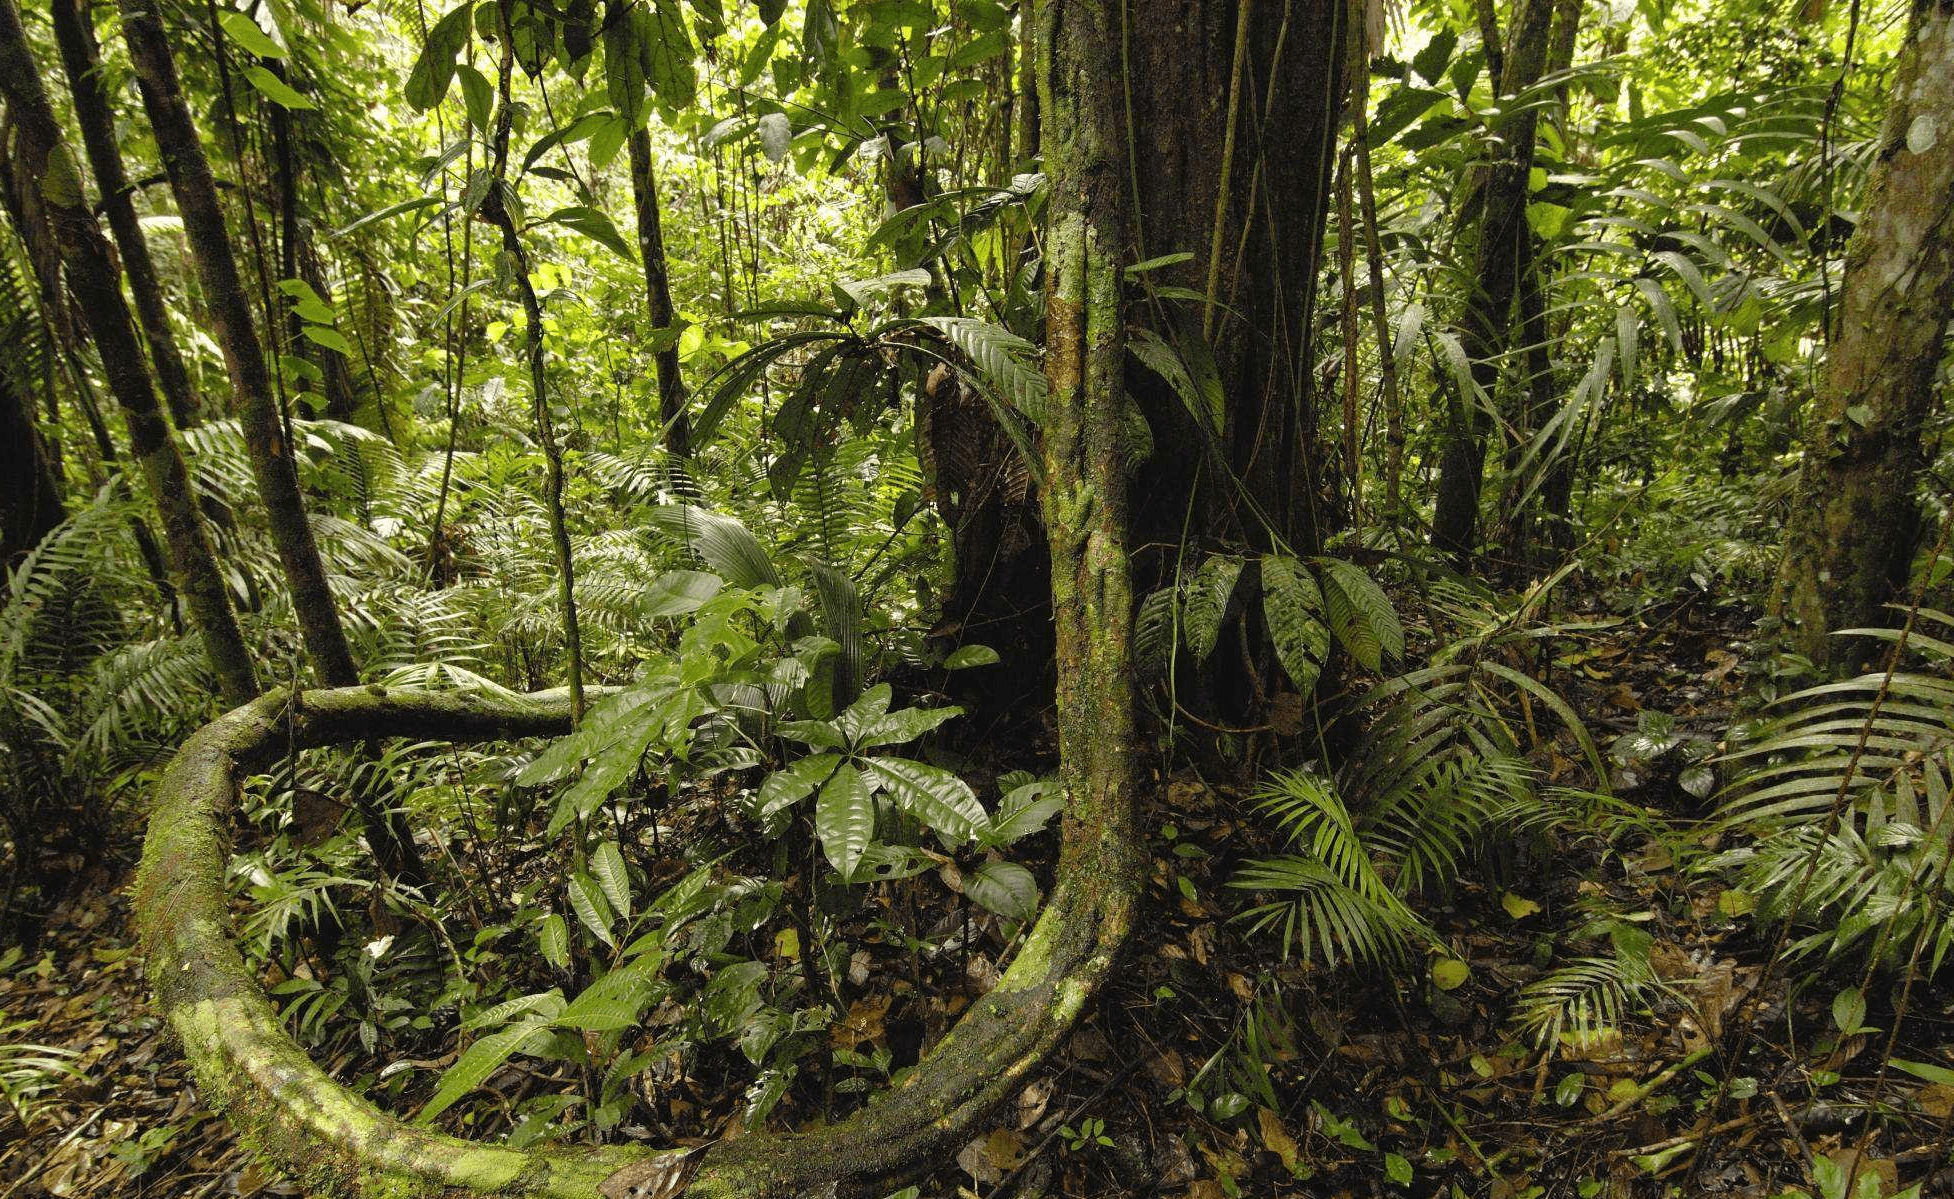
1349,1083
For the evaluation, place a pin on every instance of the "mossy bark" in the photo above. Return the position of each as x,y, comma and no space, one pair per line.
264,427
92,278
1856,526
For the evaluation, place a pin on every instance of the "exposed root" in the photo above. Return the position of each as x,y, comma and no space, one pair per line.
336,1143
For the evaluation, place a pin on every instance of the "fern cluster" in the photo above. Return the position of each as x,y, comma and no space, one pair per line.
1843,801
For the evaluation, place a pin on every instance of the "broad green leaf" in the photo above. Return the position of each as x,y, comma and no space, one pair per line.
965,656
1849,1010
902,727
249,36
477,94
820,734
844,819
677,592
1025,810
594,224
793,783
1206,603
1360,614
275,89
998,356
553,938
543,1003
722,543
587,901
933,795
616,1000
777,137
481,1060
1449,973
868,708
327,337
1005,888
665,53
607,867
434,70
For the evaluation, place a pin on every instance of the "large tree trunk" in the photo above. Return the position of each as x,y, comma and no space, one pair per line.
658,297
92,277
30,491
96,115
1856,527
230,315
1499,219
1234,104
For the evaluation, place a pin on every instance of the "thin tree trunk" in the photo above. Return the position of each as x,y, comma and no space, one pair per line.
30,490
230,316
1084,492
658,298
1540,526
1029,124
1485,324
96,115
495,210
1856,527
1387,368
92,277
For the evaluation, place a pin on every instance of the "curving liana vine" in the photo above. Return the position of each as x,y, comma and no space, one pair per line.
334,1142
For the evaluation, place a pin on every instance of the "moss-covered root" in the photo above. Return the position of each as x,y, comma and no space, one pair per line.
337,1144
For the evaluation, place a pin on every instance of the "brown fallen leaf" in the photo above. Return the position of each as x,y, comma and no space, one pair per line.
1275,1138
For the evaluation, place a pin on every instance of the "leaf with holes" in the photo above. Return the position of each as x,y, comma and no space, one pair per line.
1360,613
1206,602
1292,605
1005,888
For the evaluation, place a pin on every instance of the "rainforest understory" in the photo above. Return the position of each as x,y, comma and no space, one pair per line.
618,599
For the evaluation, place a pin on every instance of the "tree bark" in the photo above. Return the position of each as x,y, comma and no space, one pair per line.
230,316
1234,105
1538,529
1856,526
30,491
495,209
1499,215
658,297
92,277
95,114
